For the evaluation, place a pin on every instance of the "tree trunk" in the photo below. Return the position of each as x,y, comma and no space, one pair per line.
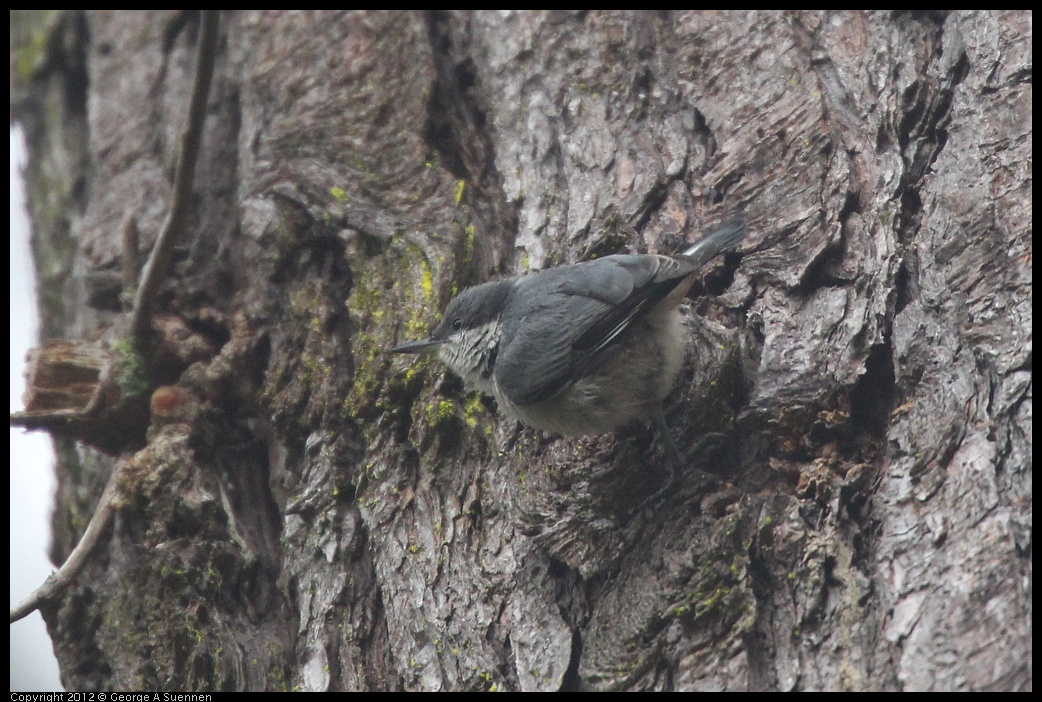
321,515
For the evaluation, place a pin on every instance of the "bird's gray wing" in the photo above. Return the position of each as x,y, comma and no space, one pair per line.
650,280
535,358
569,320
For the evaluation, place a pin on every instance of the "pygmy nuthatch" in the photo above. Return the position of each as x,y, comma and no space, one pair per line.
581,348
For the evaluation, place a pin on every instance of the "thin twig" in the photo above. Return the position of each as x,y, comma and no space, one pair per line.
191,138
60,579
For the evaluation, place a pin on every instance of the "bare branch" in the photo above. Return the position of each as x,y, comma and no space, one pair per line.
60,579
191,138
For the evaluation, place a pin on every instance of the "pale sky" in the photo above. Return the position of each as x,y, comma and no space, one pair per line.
33,667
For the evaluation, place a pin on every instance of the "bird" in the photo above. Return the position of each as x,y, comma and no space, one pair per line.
578,349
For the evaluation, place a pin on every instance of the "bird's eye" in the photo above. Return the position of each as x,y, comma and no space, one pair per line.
457,324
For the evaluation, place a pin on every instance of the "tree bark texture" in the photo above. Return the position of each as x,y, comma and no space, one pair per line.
320,515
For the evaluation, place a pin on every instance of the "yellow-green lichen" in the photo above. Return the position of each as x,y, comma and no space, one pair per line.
473,410
30,35
131,369
339,194
426,280
390,314
441,414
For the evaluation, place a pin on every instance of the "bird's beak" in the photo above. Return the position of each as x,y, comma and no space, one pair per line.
421,346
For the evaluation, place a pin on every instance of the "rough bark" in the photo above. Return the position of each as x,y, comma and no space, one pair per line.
324,516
